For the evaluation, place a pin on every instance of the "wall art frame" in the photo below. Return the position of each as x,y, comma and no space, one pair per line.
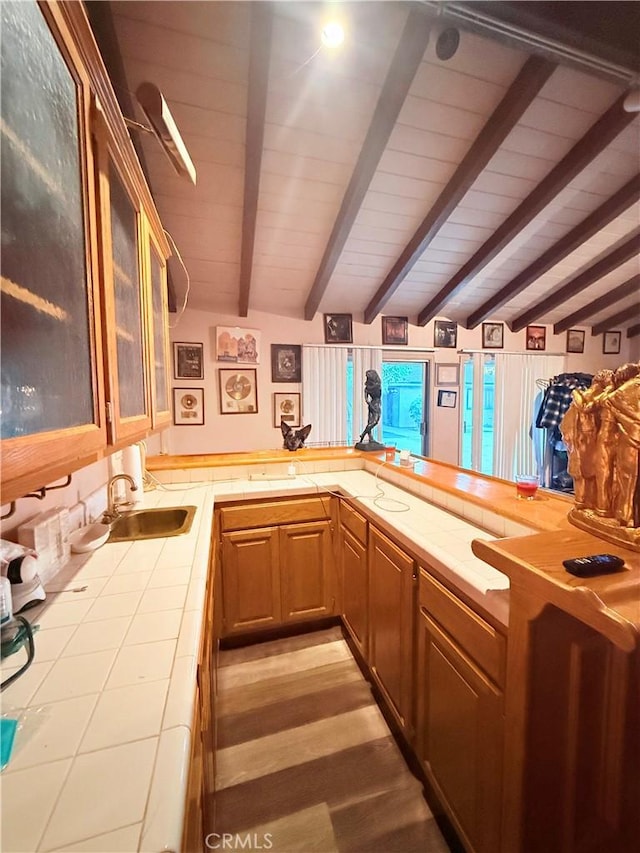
575,340
493,336
445,334
447,374
238,390
611,343
286,407
338,328
536,338
188,360
237,345
188,406
395,331
447,399
286,363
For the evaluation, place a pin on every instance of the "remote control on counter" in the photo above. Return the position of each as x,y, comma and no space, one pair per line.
598,564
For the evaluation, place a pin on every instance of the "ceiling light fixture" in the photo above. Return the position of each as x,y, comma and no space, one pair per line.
332,34
631,103
164,127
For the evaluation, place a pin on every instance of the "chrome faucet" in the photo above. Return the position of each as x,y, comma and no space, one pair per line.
113,506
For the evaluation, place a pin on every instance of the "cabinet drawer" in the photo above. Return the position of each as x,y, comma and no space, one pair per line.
479,640
354,522
271,513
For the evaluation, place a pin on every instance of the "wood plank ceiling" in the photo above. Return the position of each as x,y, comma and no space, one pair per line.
382,179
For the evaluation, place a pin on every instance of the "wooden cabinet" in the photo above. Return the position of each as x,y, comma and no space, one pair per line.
460,713
251,579
276,574
354,576
391,624
306,560
83,258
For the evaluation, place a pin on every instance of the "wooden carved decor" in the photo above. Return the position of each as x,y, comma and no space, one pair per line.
602,432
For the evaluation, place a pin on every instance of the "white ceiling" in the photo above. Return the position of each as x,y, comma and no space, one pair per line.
319,108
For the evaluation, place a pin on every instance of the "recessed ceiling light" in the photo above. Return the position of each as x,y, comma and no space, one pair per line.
332,34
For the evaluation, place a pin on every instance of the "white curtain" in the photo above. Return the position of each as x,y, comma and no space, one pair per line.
363,360
515,391
324,393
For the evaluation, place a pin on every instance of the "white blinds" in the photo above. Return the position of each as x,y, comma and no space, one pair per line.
324,393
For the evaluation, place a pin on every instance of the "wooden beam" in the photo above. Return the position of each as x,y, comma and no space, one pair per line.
593,223
259,56
631,313
605,265
633,331
597,138
628,288
402,70
532,77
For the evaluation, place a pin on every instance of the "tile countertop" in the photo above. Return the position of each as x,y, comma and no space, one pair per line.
101,757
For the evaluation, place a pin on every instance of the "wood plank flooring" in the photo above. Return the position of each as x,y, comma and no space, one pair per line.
305,759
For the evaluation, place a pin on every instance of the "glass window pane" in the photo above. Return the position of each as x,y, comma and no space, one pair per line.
46,343
403,404
126,285
159,334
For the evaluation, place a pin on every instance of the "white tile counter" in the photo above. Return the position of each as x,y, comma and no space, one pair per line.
101,759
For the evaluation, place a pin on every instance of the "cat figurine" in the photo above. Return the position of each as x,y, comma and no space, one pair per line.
294,439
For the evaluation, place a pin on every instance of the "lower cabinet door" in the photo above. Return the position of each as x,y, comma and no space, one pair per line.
306,559
391,621
251,579
355,589
194,829
460,736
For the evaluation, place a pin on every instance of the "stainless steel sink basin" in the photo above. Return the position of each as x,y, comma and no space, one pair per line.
152,523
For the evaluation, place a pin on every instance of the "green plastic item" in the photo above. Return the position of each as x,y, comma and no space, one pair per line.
7,735
13,641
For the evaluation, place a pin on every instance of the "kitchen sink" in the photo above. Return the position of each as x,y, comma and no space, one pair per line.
152,523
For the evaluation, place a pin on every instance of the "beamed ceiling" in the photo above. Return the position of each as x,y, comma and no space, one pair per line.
497,184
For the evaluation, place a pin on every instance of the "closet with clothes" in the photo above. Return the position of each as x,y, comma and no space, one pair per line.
550,406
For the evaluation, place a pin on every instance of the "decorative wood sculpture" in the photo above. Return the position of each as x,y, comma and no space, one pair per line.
602,432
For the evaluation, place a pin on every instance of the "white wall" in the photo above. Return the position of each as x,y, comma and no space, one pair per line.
228,433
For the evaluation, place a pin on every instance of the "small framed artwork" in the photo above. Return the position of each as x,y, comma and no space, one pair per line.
238,345
447,399
445,333
338,329
286,407
611,343
536,337
188,406
447,374
575,340
492,335
238,391
395,330
286,363
187,361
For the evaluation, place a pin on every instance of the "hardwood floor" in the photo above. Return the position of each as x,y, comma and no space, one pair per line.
306,761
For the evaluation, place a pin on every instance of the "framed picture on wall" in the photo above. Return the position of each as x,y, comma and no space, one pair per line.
447,399
238,345
536,337
611,343
286,407
187,361
575,340
188,406
445,333
447,374
492,335
395,330
238,391
338,329
286,363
